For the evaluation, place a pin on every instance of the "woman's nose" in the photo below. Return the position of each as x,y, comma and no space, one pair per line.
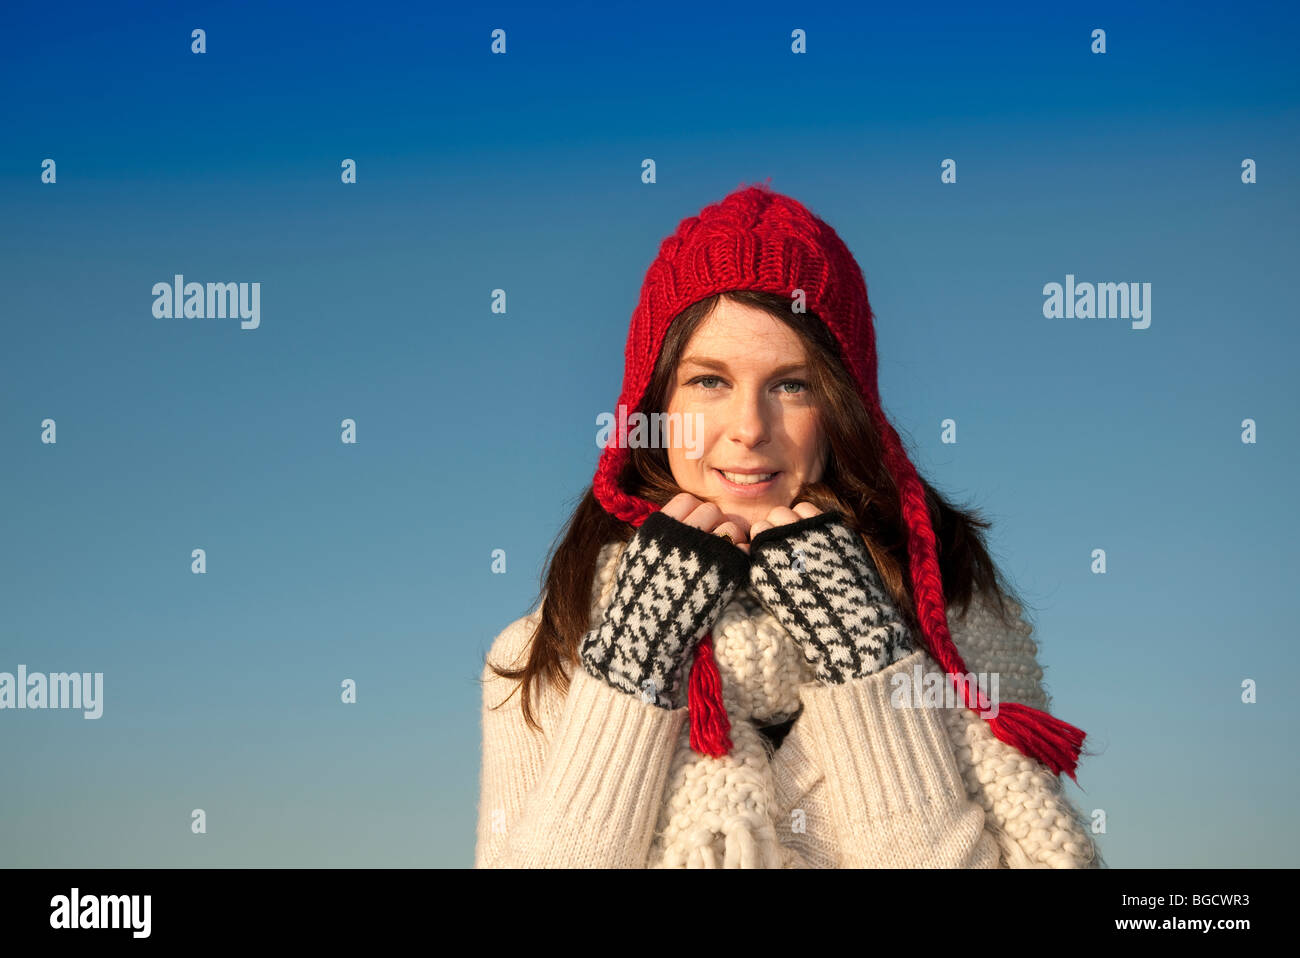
748,424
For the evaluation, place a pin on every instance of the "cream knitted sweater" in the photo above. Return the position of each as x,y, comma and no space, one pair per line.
856,782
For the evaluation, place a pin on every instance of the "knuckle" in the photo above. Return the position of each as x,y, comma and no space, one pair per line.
708,512
680,505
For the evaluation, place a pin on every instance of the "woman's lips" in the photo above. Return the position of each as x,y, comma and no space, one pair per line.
751,490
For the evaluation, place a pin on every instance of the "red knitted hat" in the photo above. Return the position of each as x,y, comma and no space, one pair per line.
757,239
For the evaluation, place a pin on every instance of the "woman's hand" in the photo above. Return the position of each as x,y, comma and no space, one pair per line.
781,516
672,581
818,580
707,517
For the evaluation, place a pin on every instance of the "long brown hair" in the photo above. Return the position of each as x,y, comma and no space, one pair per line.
854,483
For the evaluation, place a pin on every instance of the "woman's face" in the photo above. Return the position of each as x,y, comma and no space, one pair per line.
744,371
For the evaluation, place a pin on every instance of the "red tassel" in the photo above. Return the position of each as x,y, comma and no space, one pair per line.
1053,742
1034,733
710,727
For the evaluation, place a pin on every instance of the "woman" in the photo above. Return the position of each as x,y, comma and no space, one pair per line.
749,615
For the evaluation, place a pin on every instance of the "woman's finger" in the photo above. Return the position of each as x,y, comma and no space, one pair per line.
806,510
680,506
781,516
730,529
705,516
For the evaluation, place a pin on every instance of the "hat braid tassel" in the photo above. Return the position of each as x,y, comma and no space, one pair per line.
1031,731
710,727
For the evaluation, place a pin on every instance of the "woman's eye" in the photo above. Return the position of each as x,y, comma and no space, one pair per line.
803,386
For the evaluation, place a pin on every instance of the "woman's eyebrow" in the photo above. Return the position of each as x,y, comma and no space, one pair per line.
706,363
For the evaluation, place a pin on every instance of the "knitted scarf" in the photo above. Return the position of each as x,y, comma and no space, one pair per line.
720,812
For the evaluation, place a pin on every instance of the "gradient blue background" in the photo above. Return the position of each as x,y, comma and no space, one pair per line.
477,430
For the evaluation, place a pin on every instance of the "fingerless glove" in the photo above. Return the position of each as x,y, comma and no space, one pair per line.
671,583
817,579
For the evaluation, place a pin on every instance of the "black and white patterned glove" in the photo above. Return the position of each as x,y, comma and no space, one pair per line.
671,584
817,579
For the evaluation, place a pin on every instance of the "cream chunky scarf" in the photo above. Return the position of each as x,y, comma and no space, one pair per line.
720,812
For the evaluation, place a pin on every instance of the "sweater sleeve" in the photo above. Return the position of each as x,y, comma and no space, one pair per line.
1026,816
803,812
897,798
584,793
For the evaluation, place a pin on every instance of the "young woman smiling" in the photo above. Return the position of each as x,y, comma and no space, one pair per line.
737,621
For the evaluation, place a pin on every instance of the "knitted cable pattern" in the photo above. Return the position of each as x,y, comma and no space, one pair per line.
1025,807
671,583
817,578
